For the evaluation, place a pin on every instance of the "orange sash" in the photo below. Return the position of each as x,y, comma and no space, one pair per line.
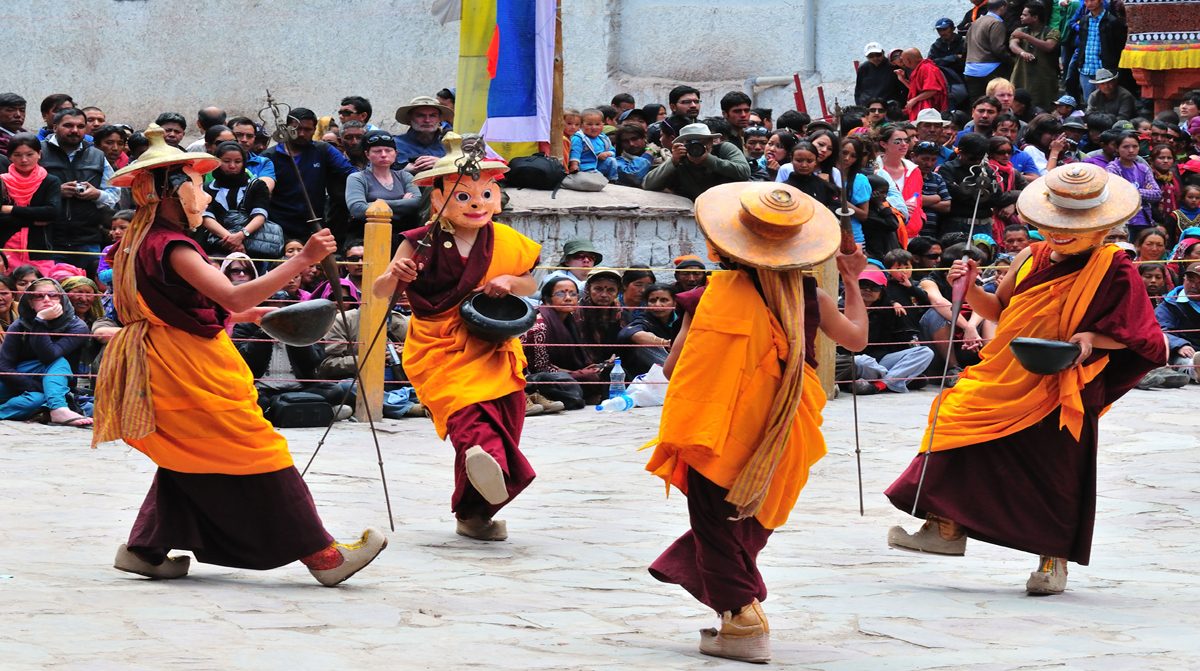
206,414
448,367
998,397
720,398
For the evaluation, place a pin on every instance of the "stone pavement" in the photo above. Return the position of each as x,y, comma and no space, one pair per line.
570,589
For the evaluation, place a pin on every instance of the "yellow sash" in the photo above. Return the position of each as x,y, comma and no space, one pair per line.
998,397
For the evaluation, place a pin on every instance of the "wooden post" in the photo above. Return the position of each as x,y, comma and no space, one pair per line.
556,98
377,253
827,279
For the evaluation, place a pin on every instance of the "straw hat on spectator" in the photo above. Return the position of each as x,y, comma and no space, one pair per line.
423,101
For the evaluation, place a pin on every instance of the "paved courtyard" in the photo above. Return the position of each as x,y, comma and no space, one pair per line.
569,590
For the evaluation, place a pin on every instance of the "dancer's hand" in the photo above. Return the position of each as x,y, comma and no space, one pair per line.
962,268
404,270
1085,341
319,246
499,287
851,265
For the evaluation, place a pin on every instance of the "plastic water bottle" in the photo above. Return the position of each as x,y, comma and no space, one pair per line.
617,380
616,404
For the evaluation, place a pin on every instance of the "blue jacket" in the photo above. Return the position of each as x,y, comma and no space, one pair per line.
1175,316
320,164
408,148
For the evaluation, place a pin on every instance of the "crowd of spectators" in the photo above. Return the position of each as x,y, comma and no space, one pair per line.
999,90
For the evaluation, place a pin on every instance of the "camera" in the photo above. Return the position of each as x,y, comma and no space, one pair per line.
1071,143
81,188
696,148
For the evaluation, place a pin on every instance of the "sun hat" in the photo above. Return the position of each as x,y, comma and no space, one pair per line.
943,23
768,225
873,48
1078,198
930,115
423,101
695,131
1067,100
1102,75
161,154
577,245
448,164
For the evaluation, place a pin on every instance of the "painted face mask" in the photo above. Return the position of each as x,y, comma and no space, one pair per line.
193,198
472,203
1072,243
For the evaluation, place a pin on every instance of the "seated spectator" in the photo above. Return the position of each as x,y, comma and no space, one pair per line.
1187,215
1107,152
633,287
31,201
804,175
653,327
383,181
238,210
292,247
244,132
1000,152
37,368
1045,144
1185,252
1151,245
935,323
1111,98
1117,234
8,303
1066,107
24,276
579,257
341,352
1154,276
116,232
295,293
1139,174
572,121
690,272
992,278
935,197
421,146
353,268
557,325
84,295
697,164
1162,162
926,252
1179,316
238,268
904,294
882,223
972,148
278,369
1016,238
600,315
591,150
632,162
883,364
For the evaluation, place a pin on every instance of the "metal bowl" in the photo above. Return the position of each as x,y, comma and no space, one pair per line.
300,324
496,319
1044,357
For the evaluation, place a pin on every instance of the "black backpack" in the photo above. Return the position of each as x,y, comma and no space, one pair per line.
538,171
298,409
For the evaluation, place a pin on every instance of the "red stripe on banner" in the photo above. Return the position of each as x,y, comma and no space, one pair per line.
493,52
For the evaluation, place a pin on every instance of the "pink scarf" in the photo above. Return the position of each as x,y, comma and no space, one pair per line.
22,187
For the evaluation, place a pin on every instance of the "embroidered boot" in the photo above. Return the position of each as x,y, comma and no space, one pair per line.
744,637
938,536
482,529
336,563
485,475
1050,578
169,569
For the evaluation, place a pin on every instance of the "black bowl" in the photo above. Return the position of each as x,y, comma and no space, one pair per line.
497,319
1044,357
300,324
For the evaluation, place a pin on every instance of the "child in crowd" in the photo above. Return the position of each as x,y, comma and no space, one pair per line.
882,223
891,354
804,174
591,150
907,297
1188,214
1154,276
935,197
1139,174
571,123
120,224
1064,108
1162,164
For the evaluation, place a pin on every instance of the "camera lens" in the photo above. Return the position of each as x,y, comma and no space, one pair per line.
696,149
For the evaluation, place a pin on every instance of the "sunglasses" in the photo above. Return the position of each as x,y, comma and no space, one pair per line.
899,141
354,259
932,257
1003,152
757,131
876,110
239,271
346,112
926,145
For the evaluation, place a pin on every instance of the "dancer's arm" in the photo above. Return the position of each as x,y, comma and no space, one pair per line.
989,306
850,329
402,268
677,347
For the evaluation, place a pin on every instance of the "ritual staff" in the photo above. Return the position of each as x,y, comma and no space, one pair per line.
738,436
173,386
473,388
1014,453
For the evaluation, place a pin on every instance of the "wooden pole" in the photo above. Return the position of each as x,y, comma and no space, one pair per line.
377,253
827,279
556,98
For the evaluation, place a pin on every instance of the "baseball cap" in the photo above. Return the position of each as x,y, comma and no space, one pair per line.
1067,100
631,113
689,261
1123,124
873,48
1193,269
605,272
873,276
943,23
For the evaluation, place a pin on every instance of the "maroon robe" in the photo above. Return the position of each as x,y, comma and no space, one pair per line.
495,425
1035,490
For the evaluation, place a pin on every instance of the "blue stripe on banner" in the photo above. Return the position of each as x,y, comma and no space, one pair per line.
513,92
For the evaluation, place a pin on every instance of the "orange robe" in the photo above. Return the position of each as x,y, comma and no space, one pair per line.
448,367
720,396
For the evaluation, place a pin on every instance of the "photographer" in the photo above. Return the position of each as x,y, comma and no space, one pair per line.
697,164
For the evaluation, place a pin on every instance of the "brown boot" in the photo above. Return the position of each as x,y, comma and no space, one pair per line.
547,405
938,536
1050,578
482,529
745,637
532,408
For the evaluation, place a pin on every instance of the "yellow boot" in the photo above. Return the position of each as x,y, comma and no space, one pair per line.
744,637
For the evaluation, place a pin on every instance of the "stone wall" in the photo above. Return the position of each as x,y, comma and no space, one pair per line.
136,58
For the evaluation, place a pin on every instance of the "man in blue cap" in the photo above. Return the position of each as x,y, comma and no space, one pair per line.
949,49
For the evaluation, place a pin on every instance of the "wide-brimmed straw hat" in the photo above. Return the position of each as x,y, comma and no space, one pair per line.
1102,76
1078,198
448,164
423,101
162,154
767,225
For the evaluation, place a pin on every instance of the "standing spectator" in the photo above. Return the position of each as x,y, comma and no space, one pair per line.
685,102
697,164
779,155
1099,45
901,174
761,116
383,181
352,147
421,146
876,78
1111,98
111,141
623,102
977,11
1016,239
988,55
1036,48
735,107
205,119
32,200
12,118
174,127
320,167
244,131
983,117
935,197
654,112
358,108
83,172
929,129
1138,174
972,148
949,50
51,106
926,84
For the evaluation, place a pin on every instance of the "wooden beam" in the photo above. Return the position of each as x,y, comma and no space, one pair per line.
827,279
377,253
556,98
